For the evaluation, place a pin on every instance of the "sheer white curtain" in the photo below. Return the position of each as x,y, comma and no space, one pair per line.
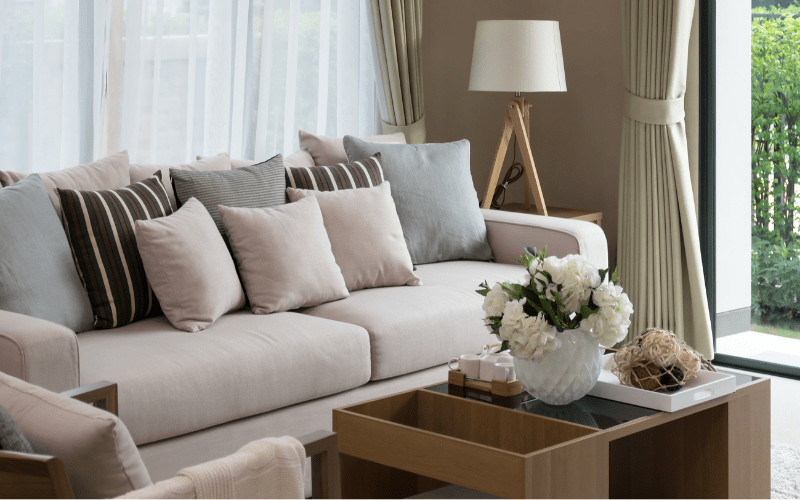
169,79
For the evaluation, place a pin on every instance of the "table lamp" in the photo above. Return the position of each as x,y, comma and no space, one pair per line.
517,56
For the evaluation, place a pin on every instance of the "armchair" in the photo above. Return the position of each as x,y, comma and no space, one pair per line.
41,476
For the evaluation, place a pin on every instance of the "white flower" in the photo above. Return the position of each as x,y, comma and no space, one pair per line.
577,279
611,322
513,314
534,338
495,301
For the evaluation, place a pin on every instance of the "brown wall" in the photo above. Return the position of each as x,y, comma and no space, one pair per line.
575,135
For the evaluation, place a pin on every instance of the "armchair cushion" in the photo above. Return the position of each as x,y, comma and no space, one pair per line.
98,453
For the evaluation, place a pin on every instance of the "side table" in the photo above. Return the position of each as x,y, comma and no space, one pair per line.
564,213
518,447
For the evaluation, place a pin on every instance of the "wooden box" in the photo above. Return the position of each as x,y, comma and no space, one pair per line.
452,440
506,389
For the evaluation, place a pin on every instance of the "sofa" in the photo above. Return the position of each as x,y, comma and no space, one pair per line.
190,397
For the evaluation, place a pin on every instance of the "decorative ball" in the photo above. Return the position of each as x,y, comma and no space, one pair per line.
646,376
672,379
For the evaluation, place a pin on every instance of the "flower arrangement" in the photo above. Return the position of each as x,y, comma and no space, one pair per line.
556,294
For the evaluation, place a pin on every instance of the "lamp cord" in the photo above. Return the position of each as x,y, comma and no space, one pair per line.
513,174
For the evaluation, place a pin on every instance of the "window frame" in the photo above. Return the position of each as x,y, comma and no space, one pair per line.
707,212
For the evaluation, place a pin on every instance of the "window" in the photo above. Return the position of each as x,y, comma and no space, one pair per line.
169,79
756,48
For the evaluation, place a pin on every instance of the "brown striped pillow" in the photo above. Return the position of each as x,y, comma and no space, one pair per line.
359,174
100,230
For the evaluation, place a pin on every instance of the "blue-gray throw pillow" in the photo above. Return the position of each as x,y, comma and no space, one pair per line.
37,273
435,198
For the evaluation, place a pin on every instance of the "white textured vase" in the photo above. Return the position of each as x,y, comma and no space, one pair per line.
566,374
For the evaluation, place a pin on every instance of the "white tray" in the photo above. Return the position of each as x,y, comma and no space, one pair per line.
707,385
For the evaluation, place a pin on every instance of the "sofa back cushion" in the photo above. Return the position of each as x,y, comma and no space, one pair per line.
142,172
99,455
330,150
435,198
100,230
111,172
38,276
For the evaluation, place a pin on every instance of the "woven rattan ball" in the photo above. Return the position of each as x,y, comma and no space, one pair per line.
646,376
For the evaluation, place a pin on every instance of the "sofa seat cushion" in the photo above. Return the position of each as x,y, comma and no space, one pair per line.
413,328
468,274
173,382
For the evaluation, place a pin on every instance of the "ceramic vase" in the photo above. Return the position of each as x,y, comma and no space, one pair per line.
566,374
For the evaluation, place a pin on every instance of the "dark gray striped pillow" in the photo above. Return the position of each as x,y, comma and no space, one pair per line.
257,186
359,174
100,230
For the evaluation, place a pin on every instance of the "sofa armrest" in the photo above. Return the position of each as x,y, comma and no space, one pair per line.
509,232
39,352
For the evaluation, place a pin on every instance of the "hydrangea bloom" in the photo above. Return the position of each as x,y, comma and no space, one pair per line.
554,295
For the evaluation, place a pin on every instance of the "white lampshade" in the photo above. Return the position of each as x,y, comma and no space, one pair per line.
517,56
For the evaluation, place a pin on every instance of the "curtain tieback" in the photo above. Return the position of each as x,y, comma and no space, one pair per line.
415,133
654,111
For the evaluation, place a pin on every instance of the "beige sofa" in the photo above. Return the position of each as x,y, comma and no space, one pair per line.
191,397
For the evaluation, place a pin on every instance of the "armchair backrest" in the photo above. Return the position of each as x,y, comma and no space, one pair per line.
257,470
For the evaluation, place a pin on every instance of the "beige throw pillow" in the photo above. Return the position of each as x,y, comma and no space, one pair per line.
189,267
297,159
142,172
112,172
366,236
330,150
98,452
284,256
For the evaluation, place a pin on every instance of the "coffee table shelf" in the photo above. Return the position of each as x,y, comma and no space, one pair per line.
419,440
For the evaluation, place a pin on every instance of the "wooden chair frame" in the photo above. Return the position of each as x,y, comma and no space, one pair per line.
24,475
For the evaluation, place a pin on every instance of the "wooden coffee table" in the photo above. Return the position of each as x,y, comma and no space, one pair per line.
419,440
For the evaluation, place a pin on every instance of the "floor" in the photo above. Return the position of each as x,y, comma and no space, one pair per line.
761,346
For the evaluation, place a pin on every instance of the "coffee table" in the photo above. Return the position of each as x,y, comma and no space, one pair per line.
423,439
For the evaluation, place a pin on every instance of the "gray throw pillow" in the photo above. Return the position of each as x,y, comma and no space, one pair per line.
435,198
11,439
38,275
256,186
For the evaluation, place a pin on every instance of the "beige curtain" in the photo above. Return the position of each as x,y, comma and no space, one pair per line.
658,246
397,30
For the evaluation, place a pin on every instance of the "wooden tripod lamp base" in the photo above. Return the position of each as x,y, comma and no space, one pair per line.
516,121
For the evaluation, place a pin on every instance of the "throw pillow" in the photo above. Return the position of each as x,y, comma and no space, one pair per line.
11,439
37,275
98,452
365,234
330,150
189,267
435,198
112,172
297,159
142,172
256,186
99,226
358,174
284,256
